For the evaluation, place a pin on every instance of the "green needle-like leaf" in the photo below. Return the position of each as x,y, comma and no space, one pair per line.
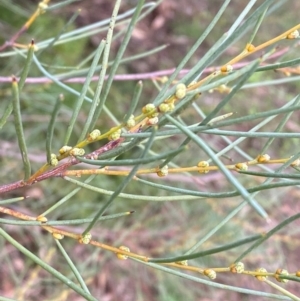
19,129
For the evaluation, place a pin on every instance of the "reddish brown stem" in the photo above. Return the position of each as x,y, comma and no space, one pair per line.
58,171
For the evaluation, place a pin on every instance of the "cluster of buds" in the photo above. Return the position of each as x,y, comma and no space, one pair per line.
65,149
72,151
77,151
166,107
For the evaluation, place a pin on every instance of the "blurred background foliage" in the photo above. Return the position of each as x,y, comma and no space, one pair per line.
155,228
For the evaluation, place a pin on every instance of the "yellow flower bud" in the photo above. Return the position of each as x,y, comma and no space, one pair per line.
42,7
163,171
237,268
180,91
250,47
53,160
152,121
241,166
261,277
148,108
57,235
164,79
130,122
77,151
93,135
202,165
281,272
164,107
263,158
296,163
122,256
85,239
210,273
293,35
183,262
115,135
226,69
42,219
65,149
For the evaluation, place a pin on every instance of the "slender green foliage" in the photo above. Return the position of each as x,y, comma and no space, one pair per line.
194,133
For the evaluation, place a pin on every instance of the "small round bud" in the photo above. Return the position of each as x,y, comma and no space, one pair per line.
171,106
42,219
261,277
130,122
202,165
250,47
57,235
164,79
280,272
77,151
65,149
42,7
180,91
115,135
53,160
164,107
226,69
296,163
297,274
293,35
183,262
263,158
85,239
163,171
148,108
93,135
223,89
210,273
241,166
237,268
122,256
152,121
